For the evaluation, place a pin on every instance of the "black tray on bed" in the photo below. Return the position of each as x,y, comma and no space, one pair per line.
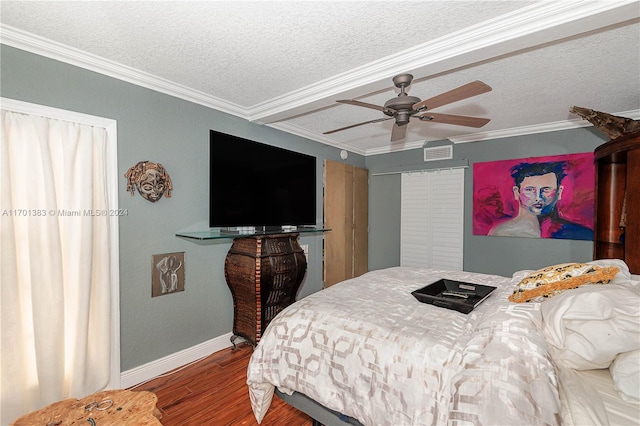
444,292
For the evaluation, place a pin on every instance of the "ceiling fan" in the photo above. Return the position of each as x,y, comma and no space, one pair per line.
404,107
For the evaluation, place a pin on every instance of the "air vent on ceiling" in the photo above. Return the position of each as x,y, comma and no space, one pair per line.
438,153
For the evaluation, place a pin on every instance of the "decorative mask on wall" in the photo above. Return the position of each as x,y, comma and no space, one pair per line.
151,180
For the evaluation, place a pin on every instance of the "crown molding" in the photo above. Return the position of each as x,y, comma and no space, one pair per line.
61,52
299,131
539,23
474,137
395,148
538,128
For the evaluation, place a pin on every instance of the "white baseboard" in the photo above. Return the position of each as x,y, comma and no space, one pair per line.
155,368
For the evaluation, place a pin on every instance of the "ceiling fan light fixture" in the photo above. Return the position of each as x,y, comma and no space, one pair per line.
402,118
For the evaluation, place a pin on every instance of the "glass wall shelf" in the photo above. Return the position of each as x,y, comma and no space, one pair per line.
222,233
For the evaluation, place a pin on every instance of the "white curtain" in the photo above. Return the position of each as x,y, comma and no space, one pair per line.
55,266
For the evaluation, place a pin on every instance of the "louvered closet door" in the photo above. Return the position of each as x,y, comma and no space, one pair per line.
432,215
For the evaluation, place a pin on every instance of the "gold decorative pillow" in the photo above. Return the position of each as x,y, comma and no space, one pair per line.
555,279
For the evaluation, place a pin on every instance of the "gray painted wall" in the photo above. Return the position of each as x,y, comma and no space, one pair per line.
494,255
160,128
384,220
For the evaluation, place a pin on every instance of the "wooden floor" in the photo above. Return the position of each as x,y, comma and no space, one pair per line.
214,392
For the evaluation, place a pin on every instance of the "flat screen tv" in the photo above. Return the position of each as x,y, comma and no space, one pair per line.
254,184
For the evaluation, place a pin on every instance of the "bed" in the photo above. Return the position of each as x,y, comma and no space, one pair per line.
365,351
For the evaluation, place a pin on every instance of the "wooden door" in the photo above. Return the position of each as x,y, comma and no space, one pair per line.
346,214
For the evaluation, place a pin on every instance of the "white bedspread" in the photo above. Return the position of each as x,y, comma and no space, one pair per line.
368,349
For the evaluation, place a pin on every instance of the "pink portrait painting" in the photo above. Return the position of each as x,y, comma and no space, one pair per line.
536,197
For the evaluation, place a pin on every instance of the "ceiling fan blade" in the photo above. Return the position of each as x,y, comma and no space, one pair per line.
458,120
463,92
377,120
362,104
398,132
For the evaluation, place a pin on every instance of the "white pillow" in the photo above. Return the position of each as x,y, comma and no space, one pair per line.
625,371
586,328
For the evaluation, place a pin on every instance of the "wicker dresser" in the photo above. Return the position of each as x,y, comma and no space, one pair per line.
264,273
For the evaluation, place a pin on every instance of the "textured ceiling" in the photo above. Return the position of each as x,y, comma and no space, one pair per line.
285,63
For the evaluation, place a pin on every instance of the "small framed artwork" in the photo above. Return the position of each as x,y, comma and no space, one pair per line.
167,273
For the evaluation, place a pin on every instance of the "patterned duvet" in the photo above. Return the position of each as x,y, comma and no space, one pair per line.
368,349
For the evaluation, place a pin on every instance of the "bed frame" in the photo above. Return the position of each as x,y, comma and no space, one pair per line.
321,415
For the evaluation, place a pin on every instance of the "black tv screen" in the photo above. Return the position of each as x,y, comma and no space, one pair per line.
254,184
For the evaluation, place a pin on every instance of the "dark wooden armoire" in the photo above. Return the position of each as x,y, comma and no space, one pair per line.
617,221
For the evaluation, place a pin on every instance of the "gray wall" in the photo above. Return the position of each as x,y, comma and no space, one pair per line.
384,220
494,255
160,128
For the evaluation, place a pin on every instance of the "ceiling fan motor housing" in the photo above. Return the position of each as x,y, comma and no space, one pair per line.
401,108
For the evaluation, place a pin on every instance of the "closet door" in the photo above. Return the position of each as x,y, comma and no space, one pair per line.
432,219
346,214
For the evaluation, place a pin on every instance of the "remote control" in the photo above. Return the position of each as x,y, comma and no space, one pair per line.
460,294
